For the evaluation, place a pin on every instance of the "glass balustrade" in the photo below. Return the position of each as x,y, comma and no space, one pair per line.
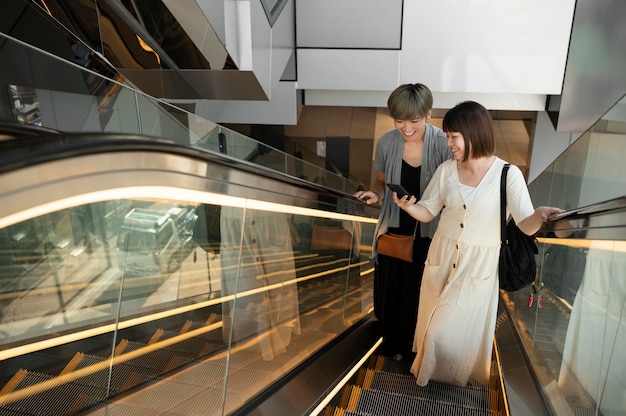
572,321
45,90
117,291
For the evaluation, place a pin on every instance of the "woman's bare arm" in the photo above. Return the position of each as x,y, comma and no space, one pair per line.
414,210
530,225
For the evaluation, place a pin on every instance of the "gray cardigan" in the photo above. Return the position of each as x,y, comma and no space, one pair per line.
388,160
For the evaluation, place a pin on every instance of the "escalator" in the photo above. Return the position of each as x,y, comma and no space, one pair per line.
570,323
558,343
240,328
277,328
273,328
84,331
82,327
386,387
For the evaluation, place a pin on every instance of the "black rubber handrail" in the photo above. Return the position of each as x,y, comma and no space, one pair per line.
36,147
614,204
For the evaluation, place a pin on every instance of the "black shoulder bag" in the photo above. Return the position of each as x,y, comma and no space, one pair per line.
517,266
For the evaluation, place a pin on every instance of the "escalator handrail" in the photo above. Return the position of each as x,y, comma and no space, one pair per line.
31,150
609,205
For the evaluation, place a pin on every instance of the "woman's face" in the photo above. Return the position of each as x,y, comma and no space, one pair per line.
456,143
412,129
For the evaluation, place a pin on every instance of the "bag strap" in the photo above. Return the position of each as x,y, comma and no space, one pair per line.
415,230
505,168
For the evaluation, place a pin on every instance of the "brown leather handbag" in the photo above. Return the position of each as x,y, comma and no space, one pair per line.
398,246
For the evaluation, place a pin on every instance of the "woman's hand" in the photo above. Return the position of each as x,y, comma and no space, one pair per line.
405,202
546,212
408,203
369,197
533,223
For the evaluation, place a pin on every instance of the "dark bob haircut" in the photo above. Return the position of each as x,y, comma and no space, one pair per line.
474,122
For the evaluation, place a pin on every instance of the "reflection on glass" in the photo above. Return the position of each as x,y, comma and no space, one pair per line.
592,345
258,269
80,100
48,266
117,294
572,320
562,270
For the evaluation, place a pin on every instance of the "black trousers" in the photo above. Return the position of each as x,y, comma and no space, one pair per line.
396,297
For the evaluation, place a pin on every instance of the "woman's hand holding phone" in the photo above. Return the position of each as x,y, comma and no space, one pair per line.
398,189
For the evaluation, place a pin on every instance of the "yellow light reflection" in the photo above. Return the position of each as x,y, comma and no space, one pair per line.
148,48
184,196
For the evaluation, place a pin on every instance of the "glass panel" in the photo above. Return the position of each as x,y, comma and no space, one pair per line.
161,120
102,298
589,332
122,116
79,100
572,321
53,267
121,296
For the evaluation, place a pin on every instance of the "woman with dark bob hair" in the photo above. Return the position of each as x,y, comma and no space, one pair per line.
459,293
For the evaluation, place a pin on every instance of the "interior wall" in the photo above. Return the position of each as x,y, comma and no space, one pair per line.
316,123
596,77
349,24
489,46
365,125
484,49
547,145
604,177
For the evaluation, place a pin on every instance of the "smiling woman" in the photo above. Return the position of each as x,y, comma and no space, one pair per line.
459,294
406,156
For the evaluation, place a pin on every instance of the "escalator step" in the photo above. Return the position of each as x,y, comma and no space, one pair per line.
386,387
57,399
160,360
124,376
438,392
396,376
197,346
344,398
378,403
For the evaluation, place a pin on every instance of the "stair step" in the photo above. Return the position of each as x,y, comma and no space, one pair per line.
54,399
123,376
477,396
384,386
372,402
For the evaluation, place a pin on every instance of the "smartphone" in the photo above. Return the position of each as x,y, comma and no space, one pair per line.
398,189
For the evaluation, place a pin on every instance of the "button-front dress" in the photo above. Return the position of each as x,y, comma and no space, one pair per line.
459,293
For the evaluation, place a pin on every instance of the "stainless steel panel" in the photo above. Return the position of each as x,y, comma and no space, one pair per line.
595,78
